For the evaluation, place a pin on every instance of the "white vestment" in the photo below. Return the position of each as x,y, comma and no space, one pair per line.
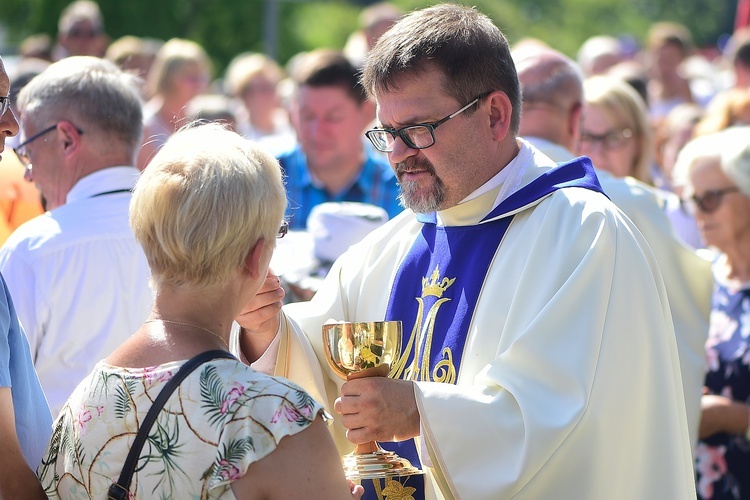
569,384
686,273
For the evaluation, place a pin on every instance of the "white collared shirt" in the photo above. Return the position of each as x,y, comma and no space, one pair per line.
509,177
79,280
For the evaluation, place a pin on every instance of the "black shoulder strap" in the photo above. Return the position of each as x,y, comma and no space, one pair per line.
119,490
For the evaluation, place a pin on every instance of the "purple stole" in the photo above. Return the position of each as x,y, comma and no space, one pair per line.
436,289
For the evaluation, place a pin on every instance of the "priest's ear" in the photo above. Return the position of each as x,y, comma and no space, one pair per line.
575,119
500,112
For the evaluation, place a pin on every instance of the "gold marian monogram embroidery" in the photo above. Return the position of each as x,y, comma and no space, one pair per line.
444,370
393,490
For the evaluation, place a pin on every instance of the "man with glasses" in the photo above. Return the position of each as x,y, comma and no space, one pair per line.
331,163
538,355
552,104
76,273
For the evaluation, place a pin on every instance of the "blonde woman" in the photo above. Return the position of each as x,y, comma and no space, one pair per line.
207,212
253,79
615,131
181,70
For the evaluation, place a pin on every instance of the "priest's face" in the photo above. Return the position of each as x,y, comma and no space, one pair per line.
441,175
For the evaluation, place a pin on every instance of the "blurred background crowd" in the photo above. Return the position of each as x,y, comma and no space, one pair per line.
656,76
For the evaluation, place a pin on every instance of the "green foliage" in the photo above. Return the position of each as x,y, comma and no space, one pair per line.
339,18
228,27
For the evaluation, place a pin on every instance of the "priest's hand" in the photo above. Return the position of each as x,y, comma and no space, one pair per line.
378,409
260,318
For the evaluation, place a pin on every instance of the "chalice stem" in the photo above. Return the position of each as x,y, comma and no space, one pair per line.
363,448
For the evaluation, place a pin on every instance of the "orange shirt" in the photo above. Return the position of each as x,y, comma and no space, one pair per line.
19,200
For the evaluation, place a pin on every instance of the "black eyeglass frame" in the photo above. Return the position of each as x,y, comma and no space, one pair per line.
401,132
283,229
4,105
711,200
20,150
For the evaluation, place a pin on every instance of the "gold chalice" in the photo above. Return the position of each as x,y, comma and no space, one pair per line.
356,350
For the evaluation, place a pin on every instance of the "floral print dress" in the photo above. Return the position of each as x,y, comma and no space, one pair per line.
223,417
723,460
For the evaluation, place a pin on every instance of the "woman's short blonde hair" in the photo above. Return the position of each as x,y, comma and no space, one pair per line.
625,107
204,201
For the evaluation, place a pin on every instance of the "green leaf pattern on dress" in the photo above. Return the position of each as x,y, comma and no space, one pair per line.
222,418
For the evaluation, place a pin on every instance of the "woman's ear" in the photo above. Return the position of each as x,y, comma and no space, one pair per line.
254,259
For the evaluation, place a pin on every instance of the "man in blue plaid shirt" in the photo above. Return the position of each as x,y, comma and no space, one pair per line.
331,161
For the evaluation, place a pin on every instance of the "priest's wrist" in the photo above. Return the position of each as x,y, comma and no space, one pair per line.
747,430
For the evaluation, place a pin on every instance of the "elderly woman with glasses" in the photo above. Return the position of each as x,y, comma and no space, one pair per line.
207,213
715,171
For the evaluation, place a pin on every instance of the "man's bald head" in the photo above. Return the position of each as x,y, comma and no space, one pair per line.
552,90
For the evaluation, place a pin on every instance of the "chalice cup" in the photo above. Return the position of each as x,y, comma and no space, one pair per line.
368,349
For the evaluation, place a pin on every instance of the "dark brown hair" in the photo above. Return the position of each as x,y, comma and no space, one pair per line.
467,48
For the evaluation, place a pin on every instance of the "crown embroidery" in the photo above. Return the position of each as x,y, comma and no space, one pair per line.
434,286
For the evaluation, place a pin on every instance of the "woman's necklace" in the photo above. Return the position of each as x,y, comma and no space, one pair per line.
190,324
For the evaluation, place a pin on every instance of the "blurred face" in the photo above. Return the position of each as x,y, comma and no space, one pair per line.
138,64
667,60
674,144
47,170
189,81
610,145
330,126
725,217
259,95
8,123
84,39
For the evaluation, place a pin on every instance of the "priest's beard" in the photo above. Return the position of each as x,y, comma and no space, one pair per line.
415,196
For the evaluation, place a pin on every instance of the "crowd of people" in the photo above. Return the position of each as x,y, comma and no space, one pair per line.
566,241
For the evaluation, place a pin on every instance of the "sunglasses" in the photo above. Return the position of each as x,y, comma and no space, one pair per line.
710,200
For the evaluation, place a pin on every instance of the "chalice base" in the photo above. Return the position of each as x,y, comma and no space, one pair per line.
376,464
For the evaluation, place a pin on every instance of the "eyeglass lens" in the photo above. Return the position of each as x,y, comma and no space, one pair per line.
4,105
610,140
416,137
710,200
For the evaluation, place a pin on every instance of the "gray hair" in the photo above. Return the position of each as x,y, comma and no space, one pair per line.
91,93
730,147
